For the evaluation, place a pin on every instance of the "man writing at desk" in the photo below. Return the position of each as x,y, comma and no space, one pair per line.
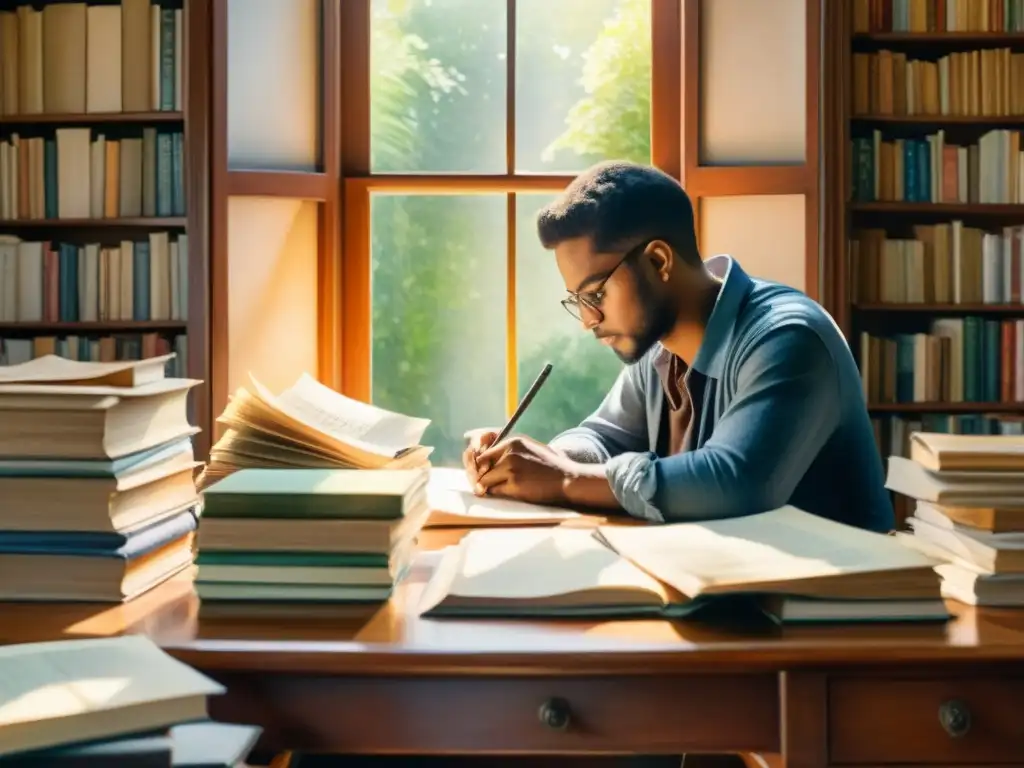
739,395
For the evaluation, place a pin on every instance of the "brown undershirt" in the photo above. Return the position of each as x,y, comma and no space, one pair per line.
678,382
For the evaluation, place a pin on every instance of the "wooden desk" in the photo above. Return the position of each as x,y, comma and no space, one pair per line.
399,684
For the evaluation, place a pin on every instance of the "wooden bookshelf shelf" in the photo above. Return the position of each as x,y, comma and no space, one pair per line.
91,118
957,407
980,121
115,326
154,222
942,38
971,309
940,209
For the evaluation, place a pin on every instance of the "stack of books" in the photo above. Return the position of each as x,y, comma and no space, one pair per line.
97,492
113,702
787,564
304,541
969,494
311,426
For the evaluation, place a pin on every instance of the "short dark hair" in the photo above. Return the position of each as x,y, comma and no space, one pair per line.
615,203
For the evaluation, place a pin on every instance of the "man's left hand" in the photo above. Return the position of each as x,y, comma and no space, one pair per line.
524,469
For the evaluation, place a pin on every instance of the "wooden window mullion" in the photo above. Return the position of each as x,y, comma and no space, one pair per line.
329,300
666,86
354,80
511,347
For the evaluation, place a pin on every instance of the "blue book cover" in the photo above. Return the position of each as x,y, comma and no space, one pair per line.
133,462
122,546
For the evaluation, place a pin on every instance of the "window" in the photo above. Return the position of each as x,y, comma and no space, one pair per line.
427,139
480,111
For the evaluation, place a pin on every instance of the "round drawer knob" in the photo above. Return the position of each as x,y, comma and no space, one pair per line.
955,717
555,714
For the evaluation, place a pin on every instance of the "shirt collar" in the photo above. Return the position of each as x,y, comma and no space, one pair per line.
736,284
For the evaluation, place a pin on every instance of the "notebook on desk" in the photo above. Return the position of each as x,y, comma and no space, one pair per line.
453,504
795,566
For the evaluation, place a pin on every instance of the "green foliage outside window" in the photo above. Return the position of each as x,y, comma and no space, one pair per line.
438,261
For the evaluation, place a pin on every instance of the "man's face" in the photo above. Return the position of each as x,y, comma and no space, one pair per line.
616,295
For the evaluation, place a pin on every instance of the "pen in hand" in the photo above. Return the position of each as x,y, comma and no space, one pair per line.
520,409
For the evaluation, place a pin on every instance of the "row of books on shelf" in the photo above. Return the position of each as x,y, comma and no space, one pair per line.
929,170
77,176
63,282
978,83
960,360
947,263
871,16
73,58
107,348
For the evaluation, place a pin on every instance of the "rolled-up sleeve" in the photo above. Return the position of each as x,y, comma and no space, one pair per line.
786,406
619,424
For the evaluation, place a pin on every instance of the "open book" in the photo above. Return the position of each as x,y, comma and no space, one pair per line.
311,426
800,566
549,572
453,504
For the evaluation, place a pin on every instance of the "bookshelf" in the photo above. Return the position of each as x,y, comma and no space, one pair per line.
103,151
927,236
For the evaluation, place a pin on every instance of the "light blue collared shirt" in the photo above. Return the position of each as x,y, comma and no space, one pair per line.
783,419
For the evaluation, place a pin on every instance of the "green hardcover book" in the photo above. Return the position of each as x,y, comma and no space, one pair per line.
382,494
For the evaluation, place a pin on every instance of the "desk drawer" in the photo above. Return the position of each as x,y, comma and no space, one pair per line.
973,720
700,713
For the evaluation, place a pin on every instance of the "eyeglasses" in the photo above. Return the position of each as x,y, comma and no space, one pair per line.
592,299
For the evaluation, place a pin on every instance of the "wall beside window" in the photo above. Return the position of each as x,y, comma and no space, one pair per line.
273,273
754,115
266,229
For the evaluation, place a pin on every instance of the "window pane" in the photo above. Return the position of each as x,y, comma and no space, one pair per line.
770,241
273,84
439,313
584,370
583,83
272,324
437,86
753,82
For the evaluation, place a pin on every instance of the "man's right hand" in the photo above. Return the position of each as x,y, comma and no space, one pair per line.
479,440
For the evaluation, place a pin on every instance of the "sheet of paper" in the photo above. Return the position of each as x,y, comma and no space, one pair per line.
61,390
533,563
452,502
53,368
782,545
365,426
